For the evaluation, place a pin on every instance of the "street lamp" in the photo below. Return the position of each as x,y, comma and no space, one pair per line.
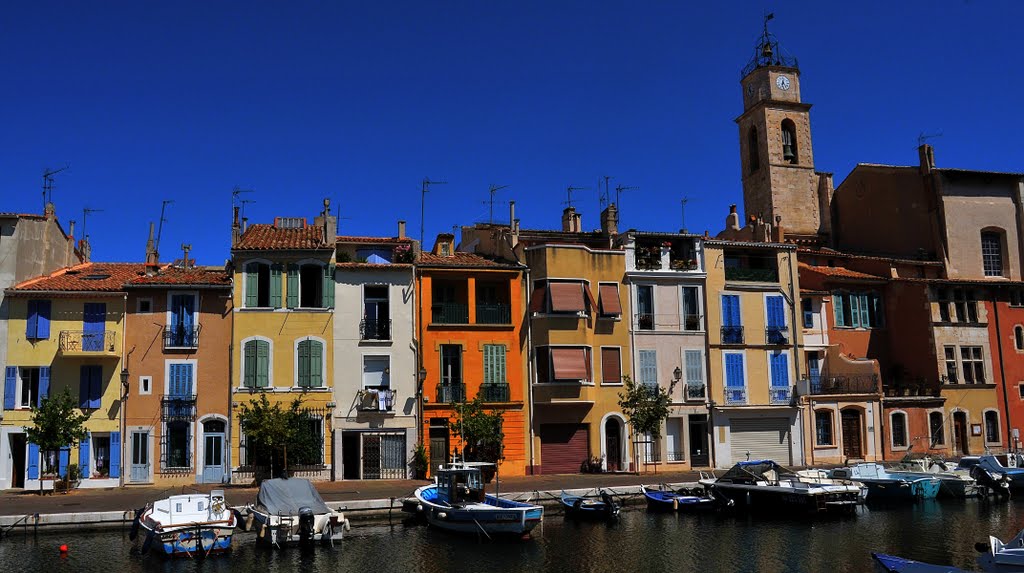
677,373
124,382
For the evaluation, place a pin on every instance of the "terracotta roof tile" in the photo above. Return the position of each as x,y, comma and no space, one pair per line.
375,266
841,272
825,252
196,276
386,240
261,237
86,277
461,260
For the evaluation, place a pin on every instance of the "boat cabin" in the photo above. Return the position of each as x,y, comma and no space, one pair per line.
756,472
462,483
192,508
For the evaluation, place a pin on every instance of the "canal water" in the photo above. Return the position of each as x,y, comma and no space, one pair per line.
935,531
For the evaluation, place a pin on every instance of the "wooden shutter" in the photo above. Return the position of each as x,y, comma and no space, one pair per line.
876,305
569,363
95,386
32,320
776,313
837,308
84,373
316,365
854,317
730,310
292,295
252,280
262,364
537,299
648,367
115,454
44,384
33,461
10,387
567,297
694,367
591,303
83,456
42,319
780,369
610,305
275,285
328,289
865,311
249,364
611,366
734,370
303,365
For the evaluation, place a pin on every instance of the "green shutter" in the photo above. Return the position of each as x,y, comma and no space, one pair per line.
865,311
328,297
249,365
316,356
854,317
262,363
275,285
304,364
251,284
494,364
837,306
293,286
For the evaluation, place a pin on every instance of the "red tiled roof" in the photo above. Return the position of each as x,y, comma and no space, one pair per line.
842,255
375,266
460,259
841,272
196,276
259,237
386,240
86,277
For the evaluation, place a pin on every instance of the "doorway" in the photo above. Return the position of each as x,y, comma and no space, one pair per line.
18,445
852,447
700,455
438,443
140,457
613,445
213,451
350,455
960,433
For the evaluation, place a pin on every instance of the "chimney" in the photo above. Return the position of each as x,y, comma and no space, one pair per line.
49,211
401,229
236,230
926,155
71,244
779,235
328,223
610,220
85,249
732,221
511,212
571,221
245,224
152,257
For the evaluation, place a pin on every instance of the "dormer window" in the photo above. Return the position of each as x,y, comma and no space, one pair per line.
789,147
446,250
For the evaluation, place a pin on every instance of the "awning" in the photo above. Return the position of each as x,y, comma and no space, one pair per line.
610,300
611,366
537,300
566,297
570,363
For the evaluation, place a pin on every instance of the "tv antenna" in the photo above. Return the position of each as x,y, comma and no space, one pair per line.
618,194
85,214
493,191
160,228
923,137
242,203
423,202
568,193
682,207
236,194
48,183
603,196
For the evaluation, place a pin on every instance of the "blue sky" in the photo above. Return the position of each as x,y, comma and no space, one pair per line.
358,101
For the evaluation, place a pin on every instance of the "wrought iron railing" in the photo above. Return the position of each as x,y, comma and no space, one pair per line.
776,335
448,393
370,329
734,395
752,275
732,335
450,313
695,391
493,314
178,409
780,395
853,384
692,321
645,321
81,341
181,337
676,456
494,392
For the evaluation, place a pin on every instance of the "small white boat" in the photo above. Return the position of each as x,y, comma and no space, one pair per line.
291,511
1000,556
194,525
953,483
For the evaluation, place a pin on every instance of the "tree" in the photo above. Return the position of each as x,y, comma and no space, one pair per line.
269,428
646,406
56,424
481,431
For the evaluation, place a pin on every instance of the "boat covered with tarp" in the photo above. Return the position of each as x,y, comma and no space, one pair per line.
764,485
291,511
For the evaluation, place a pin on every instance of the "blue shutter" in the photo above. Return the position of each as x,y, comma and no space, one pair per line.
63,459
44,384
188,380
780,369
84,378
93,326
96,386
33,461
43,319
731,310
83,456
32,320
734,370
814,368
175,312
115,454
10,387
837,307
776,313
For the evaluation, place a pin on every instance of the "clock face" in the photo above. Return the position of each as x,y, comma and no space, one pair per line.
782,82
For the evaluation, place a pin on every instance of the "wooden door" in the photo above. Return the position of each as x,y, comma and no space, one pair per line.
960,432
613,445
851,435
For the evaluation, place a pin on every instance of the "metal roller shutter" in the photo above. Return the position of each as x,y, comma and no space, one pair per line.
563,448
764,438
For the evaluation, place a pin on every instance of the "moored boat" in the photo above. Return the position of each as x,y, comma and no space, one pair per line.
952,482
885,486
291,511
894,564
1013,476
195,525
1000,556
765,485
664,498
579,507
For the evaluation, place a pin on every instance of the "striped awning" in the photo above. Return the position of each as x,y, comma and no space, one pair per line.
570,363
610,299
566,297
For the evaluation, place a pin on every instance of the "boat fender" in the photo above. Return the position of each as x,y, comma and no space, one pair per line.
419,508
347,526
675,504
263,531
148,542
442,515
134,532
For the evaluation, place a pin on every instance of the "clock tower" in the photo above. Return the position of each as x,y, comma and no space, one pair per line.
777,157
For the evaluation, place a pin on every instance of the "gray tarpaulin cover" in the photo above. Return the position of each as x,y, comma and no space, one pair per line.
287,496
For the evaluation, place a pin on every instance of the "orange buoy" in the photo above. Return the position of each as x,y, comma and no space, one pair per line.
63,548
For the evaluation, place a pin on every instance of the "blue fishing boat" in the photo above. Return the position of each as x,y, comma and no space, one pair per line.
579,507
456,501
885,486
893,564
664,498
194,525
1014,476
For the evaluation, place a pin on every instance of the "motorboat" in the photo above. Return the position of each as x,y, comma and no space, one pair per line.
291,511
952,482
765,485
1000,556
580,507
894,564
457,501
195,525
885,486
1013,476
665,498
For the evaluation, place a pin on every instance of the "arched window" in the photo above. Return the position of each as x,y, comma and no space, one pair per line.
992,253
753,151
935,424
898,429
256,364
1018,337
789,147
992,427
310,357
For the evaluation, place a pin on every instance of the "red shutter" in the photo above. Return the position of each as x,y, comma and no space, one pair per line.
590,298
567,297
611,366
563,448
570,363
610,300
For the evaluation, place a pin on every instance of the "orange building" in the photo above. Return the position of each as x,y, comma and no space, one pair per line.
469,321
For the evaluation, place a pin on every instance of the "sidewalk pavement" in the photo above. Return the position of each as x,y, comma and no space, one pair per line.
26,502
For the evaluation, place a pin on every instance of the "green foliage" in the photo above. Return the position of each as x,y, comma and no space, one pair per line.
645,406
481,431
56,423
420,461
278,436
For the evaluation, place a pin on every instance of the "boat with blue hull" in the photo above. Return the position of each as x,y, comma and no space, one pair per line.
457,502
194,525
885,486
1014,476
894,564
580,507
664,498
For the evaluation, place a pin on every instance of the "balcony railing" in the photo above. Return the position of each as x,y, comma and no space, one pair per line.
448,393
78,342
854,384
695,391
494,392
493,314
370,329
178,337
450,313
645,321
732,335
779,395
734,395
375,399
692,322
776,335
752,275
178,409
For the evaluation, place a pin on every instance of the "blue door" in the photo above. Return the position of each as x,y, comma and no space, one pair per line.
182,320
93,326
814,371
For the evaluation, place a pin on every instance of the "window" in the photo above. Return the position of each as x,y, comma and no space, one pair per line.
789,146
611,365
311,441
1018,337
262,285
735,378
376,313
451,364
942,295
778,362
564,364
857,309
732,327
1020,390
807,310
938,437
645,307
648,360
951,369
29,395
608,300
181,321
37,323
898,429
753,150
180,379
823,427
694,362
1016,297
775,314
992,427
90,386
965,306
377,372
973,365
100,456
256,364
494,364
310,363
176,446
992,253
144,306
691,308
311,286
145,385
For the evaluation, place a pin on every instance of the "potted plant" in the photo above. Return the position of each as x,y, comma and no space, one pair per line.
419,462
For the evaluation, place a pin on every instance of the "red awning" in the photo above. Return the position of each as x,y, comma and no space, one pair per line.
537,299
566,297
610,300
570,363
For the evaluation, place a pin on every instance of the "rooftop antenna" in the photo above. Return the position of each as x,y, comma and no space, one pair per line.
493,191
236,194
618,194
923,137
160,228
603,196
85,214
568,193
682,207
48,183
423,201
242,203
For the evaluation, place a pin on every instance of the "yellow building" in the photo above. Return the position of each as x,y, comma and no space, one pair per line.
66,332
282,341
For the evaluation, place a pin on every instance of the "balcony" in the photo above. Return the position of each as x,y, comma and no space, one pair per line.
178,408
493,314
776,335
494,392
732,335
450,313
180,338
375,399
780,396
375,329
852,384
695,392
746,274
568,393
735,395
451,393
81,343
645,321
692,322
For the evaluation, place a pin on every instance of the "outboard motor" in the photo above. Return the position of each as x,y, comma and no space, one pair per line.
306,526
996,483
